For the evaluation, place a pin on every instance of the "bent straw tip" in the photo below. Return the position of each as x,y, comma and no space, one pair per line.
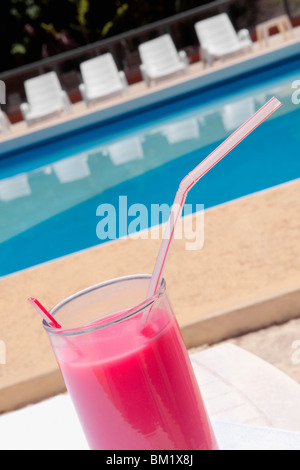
276,100
206,165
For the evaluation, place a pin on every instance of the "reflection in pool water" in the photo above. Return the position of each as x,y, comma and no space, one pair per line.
49,196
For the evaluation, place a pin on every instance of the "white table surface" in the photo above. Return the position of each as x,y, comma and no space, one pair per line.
252,405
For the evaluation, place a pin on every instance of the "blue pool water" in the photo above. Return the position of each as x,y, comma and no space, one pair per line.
49,194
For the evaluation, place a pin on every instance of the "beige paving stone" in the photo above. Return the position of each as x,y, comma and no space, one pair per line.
279,345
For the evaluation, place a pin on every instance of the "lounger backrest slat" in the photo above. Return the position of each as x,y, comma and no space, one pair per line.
216,31
100,72
43,90
159,52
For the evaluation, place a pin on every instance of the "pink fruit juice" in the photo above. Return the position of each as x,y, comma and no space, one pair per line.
135,388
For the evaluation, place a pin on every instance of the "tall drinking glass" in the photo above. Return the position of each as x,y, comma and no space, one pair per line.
127,369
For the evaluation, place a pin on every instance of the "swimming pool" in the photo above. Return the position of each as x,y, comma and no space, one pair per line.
49,193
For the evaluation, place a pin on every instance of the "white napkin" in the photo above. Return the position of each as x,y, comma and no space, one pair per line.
233,436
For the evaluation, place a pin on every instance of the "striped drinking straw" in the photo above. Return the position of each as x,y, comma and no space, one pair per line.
192,178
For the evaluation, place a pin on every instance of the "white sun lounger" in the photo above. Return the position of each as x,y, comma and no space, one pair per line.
101,79
4,123
219,40
45,97
160,59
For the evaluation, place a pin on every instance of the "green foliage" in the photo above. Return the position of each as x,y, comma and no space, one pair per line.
18,48
83,7
34,29
277,2
33,12
110,24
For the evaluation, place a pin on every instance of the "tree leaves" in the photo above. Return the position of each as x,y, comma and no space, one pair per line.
110,24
